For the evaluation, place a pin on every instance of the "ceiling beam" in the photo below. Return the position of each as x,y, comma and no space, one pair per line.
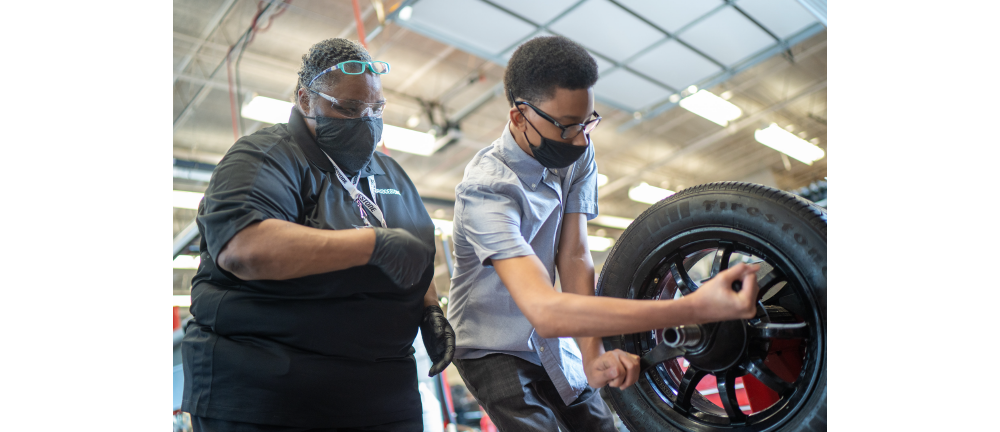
247,56
202,93
211,27
419,73
706,141
815,7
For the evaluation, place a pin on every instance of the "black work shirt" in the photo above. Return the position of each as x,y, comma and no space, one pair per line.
326,350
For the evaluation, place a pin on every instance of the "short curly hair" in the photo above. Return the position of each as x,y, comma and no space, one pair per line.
328,53
541,64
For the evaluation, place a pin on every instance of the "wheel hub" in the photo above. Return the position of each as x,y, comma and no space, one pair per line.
711,347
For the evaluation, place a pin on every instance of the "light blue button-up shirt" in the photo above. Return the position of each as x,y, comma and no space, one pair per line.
508,205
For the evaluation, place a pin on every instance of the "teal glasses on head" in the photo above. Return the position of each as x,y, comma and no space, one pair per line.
355,67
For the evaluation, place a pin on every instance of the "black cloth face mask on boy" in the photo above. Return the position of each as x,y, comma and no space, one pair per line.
349,142
554,154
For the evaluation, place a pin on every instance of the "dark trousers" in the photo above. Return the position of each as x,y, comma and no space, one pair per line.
519,396
204,424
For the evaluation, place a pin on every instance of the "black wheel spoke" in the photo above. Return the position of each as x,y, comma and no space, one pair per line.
759,370
721,261
727,392
681,278
659,354
687,388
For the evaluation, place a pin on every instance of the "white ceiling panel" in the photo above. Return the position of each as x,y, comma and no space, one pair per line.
629,90
540,12
506,55
605,28
675,65
470,23
671,15
727,36
782,17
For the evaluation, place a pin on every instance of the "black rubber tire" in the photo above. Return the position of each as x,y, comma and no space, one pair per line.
792,225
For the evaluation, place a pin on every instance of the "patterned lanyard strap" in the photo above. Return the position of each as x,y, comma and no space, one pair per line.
365,205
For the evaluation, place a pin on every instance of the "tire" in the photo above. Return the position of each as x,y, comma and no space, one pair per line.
664,251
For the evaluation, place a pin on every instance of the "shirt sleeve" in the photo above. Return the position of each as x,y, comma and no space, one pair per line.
248,185
582,196
491,221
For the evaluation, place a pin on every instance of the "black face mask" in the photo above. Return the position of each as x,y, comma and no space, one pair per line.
555,154
349,142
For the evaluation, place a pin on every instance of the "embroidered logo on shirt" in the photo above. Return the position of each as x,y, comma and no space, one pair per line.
387,192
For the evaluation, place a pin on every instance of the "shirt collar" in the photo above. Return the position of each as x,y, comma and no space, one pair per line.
305,140
528,170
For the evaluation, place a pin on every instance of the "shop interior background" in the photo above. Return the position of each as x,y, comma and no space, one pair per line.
688,92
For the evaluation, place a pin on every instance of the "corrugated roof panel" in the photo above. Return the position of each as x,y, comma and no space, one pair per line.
671,15
782,17
675,65
727,36
605,28
474,23
629,90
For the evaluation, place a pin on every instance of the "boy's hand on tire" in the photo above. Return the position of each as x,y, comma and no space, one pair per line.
716,300
616,368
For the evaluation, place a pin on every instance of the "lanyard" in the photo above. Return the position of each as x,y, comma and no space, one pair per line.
363,202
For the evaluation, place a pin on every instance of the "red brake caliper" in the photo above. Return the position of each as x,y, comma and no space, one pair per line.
784,358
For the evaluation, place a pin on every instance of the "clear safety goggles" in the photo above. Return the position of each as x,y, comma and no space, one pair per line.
353,108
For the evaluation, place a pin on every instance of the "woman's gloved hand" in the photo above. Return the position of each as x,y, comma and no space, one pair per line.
439,338
400,255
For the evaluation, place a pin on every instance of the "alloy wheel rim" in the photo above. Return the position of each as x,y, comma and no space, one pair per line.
786,313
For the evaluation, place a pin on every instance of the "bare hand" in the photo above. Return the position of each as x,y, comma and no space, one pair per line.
615,368
716,300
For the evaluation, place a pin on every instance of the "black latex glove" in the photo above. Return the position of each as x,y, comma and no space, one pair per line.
400,255
439,338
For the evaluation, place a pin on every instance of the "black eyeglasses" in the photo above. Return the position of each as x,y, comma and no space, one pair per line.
568,131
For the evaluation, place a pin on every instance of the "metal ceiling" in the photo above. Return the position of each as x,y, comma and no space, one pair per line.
769,54
646,51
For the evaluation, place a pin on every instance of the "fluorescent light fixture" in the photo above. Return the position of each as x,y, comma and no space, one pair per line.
182,300
648,194
602,180
267,110
188,200
446,226
711,107
599,244
410,141
611,221
405,13
187,262
781,140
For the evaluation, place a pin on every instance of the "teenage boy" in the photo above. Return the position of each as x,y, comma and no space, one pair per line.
520,215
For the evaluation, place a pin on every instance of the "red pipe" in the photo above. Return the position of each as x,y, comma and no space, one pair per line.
360,24
232,98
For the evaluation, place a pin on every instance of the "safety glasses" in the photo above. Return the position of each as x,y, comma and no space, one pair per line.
355,67
568,131
352,108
